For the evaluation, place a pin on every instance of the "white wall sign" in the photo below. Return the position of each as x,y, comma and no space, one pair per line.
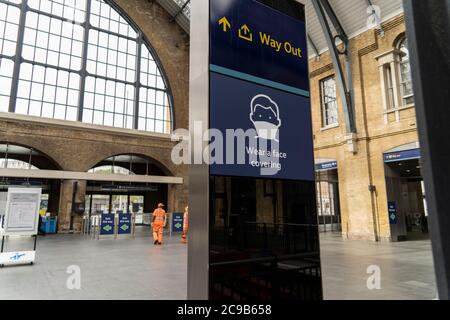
22,211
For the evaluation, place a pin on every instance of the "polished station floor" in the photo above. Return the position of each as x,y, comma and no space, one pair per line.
406,269
110,269
136,269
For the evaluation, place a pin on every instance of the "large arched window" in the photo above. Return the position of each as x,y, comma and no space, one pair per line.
110,169
405,73
16,164
20,157
80,60
129,164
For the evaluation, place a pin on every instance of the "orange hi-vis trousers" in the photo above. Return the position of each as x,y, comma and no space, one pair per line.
185,231
158,229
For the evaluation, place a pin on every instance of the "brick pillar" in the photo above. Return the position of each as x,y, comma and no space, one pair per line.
177,197
65,204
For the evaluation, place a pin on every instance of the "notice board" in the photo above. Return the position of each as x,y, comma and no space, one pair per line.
22,211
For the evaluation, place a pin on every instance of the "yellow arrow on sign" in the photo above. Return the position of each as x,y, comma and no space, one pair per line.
225,24
244,33
245,28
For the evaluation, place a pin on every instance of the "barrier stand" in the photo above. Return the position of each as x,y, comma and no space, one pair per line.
125,225
114,226
146,219
170,219
133,226
97,232
94,226
85,225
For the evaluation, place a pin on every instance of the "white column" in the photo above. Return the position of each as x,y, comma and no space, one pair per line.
396,86
384,96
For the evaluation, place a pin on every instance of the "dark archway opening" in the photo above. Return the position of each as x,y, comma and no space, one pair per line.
139,199
14,156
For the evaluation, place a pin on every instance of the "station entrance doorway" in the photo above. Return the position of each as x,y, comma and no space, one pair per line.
407,209
16,157
114,203
138,199
327,188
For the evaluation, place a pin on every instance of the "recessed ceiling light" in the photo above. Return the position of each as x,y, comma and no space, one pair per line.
400,164
408,171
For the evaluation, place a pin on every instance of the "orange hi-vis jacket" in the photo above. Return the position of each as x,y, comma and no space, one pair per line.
159,215
185,220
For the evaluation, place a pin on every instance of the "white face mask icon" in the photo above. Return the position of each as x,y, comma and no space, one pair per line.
265,117
266,130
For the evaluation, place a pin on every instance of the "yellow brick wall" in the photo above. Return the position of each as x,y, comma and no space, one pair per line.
364,214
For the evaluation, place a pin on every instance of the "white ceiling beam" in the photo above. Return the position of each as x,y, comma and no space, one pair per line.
86,176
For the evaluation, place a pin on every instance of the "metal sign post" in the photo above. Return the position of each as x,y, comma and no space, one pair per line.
249,88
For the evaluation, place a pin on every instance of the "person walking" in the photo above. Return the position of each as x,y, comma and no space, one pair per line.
185,225
158,222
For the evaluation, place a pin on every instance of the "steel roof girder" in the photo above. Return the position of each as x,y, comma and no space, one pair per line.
345,83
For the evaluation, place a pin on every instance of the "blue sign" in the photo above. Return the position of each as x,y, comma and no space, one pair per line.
177,222
402,155
107,224
392,210
124,225
259,86
232,104
258,43
327,166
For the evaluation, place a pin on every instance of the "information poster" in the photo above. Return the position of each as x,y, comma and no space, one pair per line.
107,224
124,226
22,211
177,221
392,208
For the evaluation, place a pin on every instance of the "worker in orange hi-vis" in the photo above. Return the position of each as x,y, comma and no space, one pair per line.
185,225
158,222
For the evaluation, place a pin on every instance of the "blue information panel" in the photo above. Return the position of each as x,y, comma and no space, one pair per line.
259,89
292,153
177,222
124,226
107,224
254,39
402,155
327,166
392,209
